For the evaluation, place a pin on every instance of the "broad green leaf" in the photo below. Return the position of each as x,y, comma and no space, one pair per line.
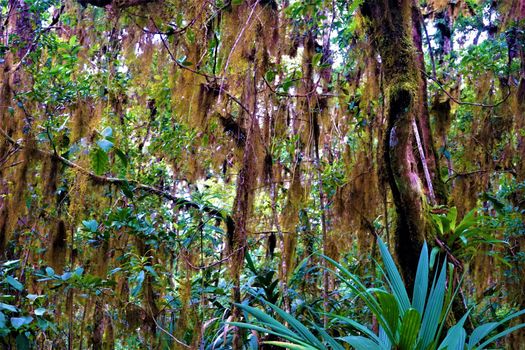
270,75
10,263
390,310
33,297
22,343
127,189
468,221
14,283
122,156
40,311
433,254
452,217
18,322
8,307
354,5
105,145
316,59
409,329
90,225
99,161
139,279
107,132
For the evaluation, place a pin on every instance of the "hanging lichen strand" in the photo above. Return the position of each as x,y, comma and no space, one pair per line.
161,161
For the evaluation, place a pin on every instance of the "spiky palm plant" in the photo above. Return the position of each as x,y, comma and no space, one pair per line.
404,323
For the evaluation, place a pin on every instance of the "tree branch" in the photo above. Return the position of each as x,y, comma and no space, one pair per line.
137,186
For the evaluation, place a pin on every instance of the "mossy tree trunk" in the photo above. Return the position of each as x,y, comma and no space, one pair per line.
389,26
518,243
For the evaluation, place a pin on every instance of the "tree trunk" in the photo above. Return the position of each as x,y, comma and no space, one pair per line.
389,26
244,197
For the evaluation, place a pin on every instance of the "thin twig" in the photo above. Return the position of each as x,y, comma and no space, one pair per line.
180,342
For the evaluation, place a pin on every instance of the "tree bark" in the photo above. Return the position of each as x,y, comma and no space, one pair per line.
244,197
389,27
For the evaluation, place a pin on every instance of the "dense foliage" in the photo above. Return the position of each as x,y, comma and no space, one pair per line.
169,169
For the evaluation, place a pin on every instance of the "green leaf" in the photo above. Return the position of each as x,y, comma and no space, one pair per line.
288,345
127,189
9,263
105,145
501,335
122,156
394,278
90,225
139,279
22,343
328,339
421,281
2,320
361,343
107,132
452,217
468,221
390,310
18,322
99,161
33,297
298,326
354,5
276,332
361,328
456,336
481,332
8,307
434,308
316,59
40,311
14,283
183,60
270,75
433,255
267,320
409,329
151,270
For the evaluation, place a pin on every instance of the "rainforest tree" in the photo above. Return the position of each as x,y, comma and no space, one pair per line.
163,162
